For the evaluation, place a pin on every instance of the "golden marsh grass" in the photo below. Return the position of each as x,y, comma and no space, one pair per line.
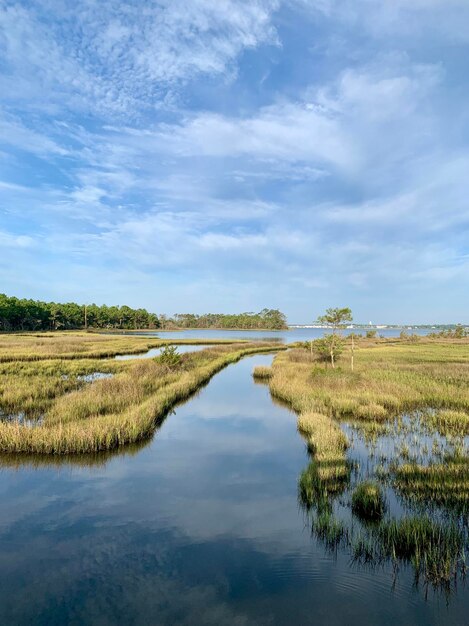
79,417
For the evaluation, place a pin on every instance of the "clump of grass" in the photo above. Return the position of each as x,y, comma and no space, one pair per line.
331,531
262,372
368,502
435,550
448,422
321,481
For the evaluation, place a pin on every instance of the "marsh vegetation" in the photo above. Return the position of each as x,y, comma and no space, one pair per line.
388,478
57,397
16,347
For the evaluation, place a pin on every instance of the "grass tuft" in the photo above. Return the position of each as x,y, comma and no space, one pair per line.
368,501
261,372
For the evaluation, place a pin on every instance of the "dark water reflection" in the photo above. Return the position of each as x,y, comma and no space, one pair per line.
199,526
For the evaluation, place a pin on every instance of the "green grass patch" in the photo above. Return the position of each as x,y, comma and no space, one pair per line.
368,502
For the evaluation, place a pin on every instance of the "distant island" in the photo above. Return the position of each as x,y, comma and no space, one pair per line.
267,319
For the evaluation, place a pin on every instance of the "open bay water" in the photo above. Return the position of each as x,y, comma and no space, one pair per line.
283,336
201,525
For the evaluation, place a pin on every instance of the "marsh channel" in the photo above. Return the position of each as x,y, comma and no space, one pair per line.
200,525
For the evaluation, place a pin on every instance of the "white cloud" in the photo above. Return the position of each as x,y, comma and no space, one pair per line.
120,58
285,132
377,114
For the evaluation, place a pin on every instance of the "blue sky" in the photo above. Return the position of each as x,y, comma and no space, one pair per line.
227,155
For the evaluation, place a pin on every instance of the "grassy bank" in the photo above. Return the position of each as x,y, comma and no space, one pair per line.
70,416
387,380
81,345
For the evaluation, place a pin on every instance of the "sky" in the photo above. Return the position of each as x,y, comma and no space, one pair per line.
231,155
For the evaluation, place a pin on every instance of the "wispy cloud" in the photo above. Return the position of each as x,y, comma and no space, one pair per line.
119,58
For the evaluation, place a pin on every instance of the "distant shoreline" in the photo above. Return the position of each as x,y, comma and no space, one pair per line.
179,330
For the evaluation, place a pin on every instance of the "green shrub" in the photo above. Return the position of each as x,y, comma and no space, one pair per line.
170,357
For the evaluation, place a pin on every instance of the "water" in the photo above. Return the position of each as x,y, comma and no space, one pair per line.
90,378
199,526
21,417
284,336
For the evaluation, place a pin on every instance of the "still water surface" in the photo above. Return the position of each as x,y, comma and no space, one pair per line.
200,526
283,336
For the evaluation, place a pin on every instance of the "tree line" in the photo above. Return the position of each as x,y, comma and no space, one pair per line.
270,319
23,314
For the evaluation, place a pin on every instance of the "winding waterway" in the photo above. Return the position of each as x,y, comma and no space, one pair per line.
199,526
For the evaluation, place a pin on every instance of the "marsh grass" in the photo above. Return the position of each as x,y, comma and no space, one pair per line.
81,418
262,372
331,531
387,380
368,501
442,484
32,387
435,550
60,461
80,345
390,379
321,482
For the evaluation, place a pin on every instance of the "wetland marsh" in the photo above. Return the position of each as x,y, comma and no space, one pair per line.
282,488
